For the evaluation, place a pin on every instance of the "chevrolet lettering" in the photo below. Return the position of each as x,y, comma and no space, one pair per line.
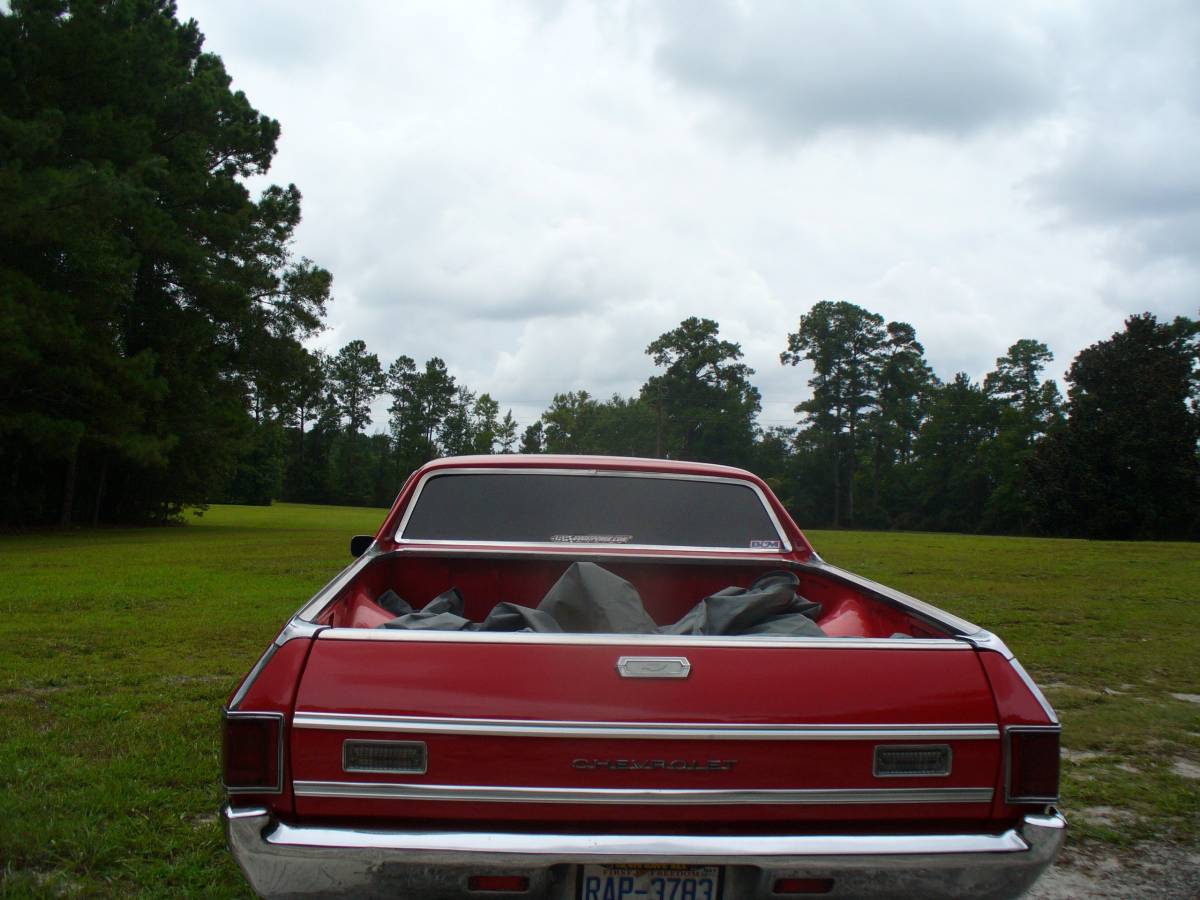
584,677
676,765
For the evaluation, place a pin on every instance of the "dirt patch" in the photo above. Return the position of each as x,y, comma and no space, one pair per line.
1080,756
1147,870
194,679
1186,768
36,694
1103,815
1187,698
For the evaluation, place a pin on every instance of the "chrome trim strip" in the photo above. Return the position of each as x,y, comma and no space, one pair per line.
321,598
785,544
960,627
549,848
568,552
637,846
1035,690
687,731
283,738
640,796
665,641
297,628
252,675
654,667
986,640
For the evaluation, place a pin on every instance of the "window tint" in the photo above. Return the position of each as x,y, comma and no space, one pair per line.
590,509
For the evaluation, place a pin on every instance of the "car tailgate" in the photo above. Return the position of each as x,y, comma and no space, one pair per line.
606,730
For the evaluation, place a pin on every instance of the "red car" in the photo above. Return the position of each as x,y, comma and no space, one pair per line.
606,679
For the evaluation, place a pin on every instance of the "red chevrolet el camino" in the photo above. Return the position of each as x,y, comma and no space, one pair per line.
621,679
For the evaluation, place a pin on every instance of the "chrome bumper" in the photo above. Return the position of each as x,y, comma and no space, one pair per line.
282,860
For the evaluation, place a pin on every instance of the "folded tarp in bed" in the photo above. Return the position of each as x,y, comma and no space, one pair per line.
589,599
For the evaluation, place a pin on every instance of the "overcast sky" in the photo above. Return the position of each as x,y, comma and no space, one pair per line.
535,191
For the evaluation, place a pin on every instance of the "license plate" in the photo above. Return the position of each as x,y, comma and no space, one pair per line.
649,883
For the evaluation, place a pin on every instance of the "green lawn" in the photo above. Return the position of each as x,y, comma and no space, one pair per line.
117,648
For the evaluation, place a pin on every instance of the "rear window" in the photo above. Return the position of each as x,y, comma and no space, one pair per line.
591,509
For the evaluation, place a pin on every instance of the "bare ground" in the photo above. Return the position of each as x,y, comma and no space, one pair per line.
1147,870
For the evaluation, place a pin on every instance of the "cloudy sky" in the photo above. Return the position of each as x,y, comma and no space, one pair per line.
535,191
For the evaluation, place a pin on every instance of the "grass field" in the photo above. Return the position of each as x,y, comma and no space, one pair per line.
117,648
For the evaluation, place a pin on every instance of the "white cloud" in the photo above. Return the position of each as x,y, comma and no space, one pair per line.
797,69
534,193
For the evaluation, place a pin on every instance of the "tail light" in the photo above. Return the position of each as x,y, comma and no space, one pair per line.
1032,752
514,884
252,752
803,885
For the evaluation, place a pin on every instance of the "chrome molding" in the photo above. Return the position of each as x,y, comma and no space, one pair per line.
698,556
640,796
298,628
325,595
1035,690
663,641
641,730
635,846
654,667
957,626
785,544
252,675
295,629
986,640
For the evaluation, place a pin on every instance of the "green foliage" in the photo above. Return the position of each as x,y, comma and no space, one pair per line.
705,406
1029,408
506,434
570,424
860,368
953,469
354,378
1124,463
147,302
458,427
532,439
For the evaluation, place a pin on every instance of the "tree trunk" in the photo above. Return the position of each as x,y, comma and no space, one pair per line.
100,490
837,483
69,488
658,434
876,469
850,475
299,481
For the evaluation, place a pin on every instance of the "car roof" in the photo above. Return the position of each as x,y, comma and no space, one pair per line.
572,461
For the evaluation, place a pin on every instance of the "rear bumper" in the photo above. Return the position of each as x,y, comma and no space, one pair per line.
282,860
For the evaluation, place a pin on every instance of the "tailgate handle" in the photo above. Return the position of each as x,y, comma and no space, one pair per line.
654,667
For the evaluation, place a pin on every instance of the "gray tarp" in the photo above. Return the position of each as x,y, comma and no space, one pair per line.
588,599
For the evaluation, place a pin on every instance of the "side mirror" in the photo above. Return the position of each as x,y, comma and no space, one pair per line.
359,544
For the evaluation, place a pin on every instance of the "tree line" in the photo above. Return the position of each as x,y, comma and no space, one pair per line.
882,442
155,327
